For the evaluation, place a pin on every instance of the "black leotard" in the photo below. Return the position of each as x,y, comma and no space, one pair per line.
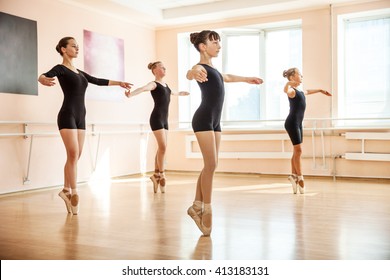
159,117
72,113
293,123
208,116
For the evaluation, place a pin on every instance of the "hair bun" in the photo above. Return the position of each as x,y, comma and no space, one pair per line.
193,37
150,65
58,48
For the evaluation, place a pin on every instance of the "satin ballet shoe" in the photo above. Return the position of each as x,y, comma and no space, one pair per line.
293,181
155,179
196,215
162,182
205,230
74,201
66,197
301,189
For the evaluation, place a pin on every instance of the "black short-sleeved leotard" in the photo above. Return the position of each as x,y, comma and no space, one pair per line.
159,117
208,115
72,113
293,123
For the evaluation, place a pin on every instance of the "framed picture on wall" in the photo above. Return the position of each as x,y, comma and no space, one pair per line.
104,58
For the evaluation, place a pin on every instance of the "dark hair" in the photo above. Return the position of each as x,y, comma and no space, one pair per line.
153,65
289,72
62,44
197,38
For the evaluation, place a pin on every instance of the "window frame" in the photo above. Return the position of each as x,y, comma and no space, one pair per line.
342,119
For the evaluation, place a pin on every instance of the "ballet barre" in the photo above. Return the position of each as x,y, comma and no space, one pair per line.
363,137
321,132
91,131
282,154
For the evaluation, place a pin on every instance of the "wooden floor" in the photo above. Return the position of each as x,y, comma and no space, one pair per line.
255,218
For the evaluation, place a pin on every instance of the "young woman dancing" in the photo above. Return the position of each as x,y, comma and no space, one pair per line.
293,123
71,117
206,121
161,94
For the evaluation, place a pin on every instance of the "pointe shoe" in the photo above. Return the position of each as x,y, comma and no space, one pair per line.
156,180
301,188
196,216
66,197
162,183
74,203
205,230
293,182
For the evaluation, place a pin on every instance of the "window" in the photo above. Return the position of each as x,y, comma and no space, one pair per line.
364,84
283,51
262,52
242,57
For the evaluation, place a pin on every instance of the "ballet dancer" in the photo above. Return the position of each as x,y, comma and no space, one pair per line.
293,123
206,121
161,94
71,117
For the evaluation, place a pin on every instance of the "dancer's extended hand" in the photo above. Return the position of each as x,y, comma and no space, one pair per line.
46,81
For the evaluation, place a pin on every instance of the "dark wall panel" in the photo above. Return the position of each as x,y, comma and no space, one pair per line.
18,55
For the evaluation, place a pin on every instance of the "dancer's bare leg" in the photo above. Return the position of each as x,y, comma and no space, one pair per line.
74,141
209,142
155,178
161,138
198,194
296,163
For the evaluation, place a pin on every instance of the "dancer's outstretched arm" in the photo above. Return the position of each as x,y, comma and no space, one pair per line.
148,87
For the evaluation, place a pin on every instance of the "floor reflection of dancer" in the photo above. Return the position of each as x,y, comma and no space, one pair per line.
70,233
161,239
206,120
71,118
161,94
203,249
293,123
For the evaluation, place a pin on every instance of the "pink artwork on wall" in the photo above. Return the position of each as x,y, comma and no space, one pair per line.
104,58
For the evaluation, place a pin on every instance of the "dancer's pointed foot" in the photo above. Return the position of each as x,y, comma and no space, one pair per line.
74,200
163,182
293,181
65,195
155,179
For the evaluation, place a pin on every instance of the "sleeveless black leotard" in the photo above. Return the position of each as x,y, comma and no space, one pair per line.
72,113
159,117
208,116
293,123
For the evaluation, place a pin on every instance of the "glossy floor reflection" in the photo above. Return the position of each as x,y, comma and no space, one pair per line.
255,217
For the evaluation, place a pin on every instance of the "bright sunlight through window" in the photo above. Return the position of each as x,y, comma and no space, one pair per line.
252,51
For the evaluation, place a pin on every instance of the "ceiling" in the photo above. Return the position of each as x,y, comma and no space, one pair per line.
160,13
